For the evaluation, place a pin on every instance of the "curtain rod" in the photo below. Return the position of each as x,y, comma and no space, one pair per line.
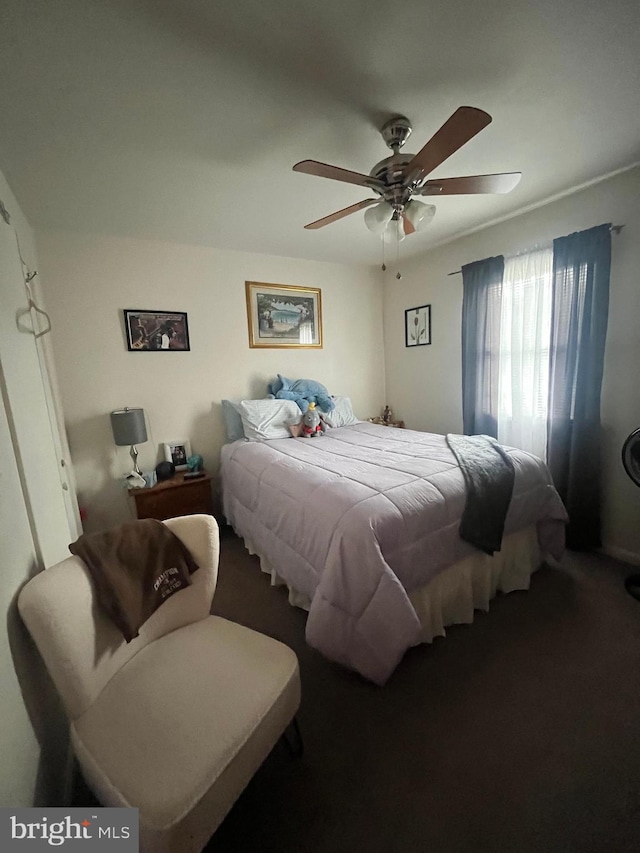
616,228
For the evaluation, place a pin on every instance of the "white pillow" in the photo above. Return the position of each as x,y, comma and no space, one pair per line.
265,419
342,415
232,420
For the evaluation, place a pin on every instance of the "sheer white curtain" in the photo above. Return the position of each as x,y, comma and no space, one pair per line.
525,335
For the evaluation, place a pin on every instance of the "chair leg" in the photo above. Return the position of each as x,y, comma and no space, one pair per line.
293,738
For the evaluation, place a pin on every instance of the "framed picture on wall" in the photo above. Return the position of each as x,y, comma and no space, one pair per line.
156,331
417,326
178,452
283,316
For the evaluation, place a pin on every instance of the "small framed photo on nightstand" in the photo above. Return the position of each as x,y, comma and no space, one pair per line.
178,452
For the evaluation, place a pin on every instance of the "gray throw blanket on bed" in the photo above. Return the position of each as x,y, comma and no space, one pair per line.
489,476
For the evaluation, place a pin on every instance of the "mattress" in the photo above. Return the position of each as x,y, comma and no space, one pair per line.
359,519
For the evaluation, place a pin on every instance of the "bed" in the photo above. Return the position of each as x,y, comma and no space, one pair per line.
362,524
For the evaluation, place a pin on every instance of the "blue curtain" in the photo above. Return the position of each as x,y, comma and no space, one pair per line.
481,307
581,267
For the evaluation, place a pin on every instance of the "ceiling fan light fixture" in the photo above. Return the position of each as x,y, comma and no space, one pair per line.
378,217
419,214
397,178
395,230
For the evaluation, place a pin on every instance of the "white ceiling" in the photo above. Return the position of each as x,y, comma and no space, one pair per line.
181,120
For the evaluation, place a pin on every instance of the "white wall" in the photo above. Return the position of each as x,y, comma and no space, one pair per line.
91,279
424,384
34,533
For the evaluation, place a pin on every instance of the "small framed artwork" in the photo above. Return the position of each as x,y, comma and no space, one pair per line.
282,316
417,326
157,331
178,452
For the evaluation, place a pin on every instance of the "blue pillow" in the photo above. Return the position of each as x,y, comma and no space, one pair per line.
232,421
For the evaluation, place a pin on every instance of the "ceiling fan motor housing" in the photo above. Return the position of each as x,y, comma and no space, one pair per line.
391,173
396,131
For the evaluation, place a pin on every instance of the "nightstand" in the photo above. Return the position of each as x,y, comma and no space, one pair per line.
173,497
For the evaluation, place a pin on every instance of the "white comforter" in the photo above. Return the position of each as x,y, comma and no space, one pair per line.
359,517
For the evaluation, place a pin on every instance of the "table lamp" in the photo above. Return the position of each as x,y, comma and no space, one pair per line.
128,427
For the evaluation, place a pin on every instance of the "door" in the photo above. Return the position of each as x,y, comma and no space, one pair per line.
28,418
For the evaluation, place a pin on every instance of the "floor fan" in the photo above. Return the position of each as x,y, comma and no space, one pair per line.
631,462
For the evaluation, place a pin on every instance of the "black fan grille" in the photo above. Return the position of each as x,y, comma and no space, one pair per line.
631,456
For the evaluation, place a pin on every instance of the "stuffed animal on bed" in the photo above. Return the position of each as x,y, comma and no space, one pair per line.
301,391
312,422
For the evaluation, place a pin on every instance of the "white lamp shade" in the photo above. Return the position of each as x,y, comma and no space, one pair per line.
377,218
419,214
395,230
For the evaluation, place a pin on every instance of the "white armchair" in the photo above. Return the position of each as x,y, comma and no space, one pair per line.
177,721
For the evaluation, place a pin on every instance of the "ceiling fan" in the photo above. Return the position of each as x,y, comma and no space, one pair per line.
400,177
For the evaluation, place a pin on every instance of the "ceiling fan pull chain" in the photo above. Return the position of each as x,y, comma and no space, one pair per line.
398,274
384,266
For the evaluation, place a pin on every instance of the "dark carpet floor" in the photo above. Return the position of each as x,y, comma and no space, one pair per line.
518,733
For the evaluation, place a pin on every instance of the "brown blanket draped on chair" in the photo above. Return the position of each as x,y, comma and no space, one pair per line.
135,568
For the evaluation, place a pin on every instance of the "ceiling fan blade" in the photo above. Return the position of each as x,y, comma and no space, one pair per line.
408,227
502,183
339,214
324,170
454,133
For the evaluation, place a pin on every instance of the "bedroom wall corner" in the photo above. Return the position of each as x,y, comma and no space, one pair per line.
91,279
425,383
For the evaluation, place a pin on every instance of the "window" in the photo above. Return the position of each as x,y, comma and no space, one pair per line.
534,328
523,355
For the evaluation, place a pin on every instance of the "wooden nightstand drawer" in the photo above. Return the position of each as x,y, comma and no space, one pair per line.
174,497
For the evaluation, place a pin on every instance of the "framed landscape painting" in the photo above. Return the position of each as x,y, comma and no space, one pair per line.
417,326
156,330
282,316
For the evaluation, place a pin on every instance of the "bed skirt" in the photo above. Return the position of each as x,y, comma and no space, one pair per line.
455,593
